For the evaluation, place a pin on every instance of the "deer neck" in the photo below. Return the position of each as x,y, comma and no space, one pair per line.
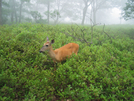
52,53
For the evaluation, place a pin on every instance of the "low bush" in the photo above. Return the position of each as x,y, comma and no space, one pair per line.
102,71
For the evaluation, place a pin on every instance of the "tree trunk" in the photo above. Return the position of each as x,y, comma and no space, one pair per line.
48,12
0,12
12,11
94,12
57,19
12,16
58,7
14,7
91,17
85,10
84,14
20,11
94,16
16,19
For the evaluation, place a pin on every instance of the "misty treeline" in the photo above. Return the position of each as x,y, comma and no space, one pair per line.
56,11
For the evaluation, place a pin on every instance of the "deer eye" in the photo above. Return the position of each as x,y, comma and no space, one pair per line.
46,45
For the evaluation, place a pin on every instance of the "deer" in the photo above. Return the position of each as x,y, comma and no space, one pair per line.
62,53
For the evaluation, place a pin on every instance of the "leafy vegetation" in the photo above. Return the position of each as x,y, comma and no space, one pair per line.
128,10
101,71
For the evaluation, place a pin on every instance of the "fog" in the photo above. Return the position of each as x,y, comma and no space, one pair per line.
63,11
112,18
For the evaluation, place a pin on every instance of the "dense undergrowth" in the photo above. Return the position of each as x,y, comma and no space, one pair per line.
101,71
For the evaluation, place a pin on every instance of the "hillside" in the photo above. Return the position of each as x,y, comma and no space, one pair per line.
103,70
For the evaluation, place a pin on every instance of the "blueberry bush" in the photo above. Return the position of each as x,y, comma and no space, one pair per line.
102,71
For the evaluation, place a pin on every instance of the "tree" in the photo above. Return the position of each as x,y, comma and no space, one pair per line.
97,5
13,10
47,2
21,5
36,15
70,9
55,15
0,12
5,11
58,10
94,5
87,4
128,10
48,10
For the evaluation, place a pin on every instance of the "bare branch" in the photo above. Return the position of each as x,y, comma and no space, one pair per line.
79,37
90,3
107,33
93,23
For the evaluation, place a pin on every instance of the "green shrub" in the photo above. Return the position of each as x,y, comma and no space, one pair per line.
103,71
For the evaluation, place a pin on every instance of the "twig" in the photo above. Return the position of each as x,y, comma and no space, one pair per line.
92,29
79,39
107,33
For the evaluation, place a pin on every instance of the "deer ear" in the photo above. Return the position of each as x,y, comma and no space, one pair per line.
52,41
47,39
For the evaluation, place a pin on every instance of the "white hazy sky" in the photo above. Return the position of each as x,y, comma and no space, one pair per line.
115,18
116,12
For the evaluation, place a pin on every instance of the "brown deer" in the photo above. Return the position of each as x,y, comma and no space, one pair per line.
61,53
